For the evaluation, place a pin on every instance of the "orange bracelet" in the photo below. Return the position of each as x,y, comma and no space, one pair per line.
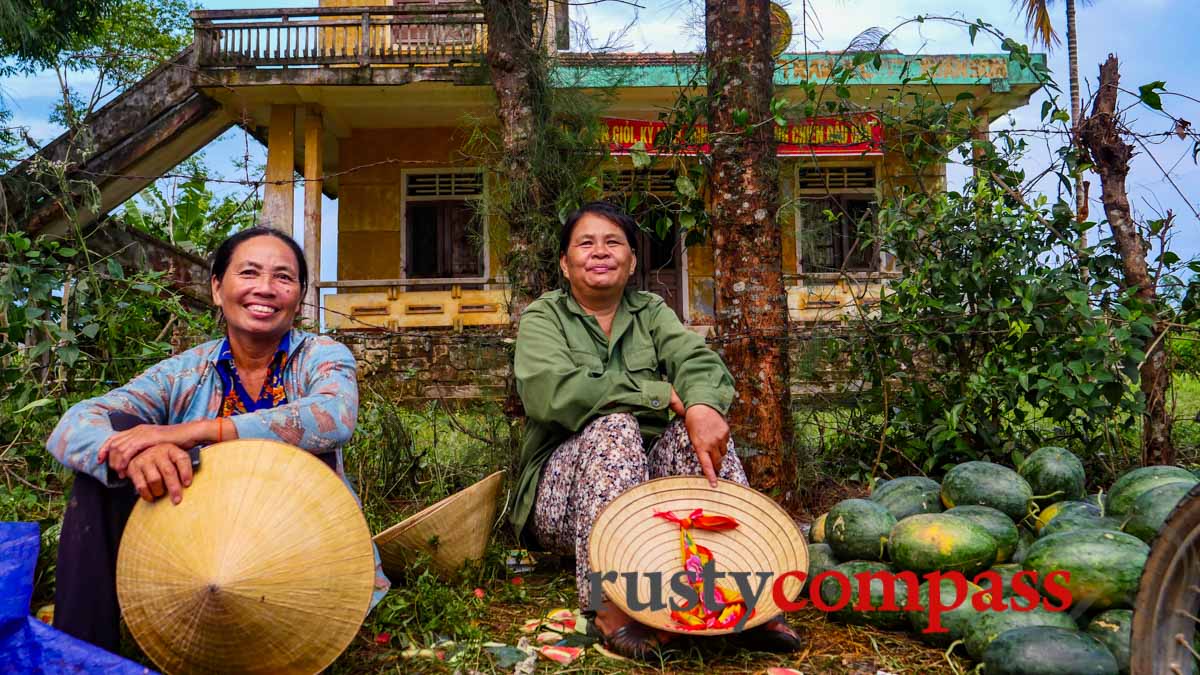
220,428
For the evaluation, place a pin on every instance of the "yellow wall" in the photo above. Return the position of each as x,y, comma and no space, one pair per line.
370,222
812,299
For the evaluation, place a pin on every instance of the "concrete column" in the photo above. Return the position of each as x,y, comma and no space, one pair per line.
278,199
313,182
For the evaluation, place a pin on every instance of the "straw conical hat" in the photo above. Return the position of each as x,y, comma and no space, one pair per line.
265,566
451,531
627,537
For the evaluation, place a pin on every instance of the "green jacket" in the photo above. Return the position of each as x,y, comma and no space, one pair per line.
569,373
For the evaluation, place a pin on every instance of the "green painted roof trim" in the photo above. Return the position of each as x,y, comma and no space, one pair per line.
997,70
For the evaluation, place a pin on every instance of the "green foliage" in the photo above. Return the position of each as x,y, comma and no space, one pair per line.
999,335
73,324
35,31
188,214
403,458
425,609
992,330
1184,347
131,38
10,152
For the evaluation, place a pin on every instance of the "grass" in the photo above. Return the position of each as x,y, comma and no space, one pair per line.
1186,431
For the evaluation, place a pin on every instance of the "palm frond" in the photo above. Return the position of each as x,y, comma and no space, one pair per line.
1038,23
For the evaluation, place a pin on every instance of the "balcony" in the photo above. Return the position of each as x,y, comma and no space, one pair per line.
404,35
414,303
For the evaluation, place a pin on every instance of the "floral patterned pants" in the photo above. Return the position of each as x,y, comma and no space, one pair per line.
592,467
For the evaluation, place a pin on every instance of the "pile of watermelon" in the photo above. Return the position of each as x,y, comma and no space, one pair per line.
984,517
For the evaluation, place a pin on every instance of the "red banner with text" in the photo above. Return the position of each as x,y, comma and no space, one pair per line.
827,136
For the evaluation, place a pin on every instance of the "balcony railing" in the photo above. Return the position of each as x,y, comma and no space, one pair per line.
414,303
317,36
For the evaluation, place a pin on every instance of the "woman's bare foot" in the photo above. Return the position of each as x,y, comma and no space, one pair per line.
627,637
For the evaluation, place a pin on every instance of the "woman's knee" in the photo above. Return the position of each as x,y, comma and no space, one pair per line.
620,426
613,440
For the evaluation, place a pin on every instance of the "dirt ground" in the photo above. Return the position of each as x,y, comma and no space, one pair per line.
830,647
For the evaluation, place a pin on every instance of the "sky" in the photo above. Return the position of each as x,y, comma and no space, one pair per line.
1155,40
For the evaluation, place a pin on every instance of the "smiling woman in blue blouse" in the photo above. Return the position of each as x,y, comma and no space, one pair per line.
264,379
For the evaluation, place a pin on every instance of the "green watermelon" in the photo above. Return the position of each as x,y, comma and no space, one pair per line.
820,559
1006,573
816,533
830,592
997,524
908,495
1139,481
1054,474
1056,509
1114,629
991,625
956,621
936,541
987,484
1104,566
1150,511
1025,539
1078,521
858,529
1045,650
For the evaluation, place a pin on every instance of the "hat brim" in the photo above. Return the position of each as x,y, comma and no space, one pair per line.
266,565
628,539
452,531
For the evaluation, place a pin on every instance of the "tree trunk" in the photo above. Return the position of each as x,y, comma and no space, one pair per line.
751,301
519,80
1101,135
1081,207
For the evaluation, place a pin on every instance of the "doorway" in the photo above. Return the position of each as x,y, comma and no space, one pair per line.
659,268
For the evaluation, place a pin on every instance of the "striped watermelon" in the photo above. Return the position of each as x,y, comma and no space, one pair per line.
1134,484
997,524
1038,650
987,484
990,625
956,621
941,542
908,495
858,529
1056,509
1114,629
1054,474
1150,511
1104,566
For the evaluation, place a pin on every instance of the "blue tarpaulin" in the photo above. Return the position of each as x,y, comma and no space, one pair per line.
28,645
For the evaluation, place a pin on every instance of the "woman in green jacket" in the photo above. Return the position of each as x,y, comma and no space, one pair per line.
599,368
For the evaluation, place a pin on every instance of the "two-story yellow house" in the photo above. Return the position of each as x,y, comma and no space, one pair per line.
371,106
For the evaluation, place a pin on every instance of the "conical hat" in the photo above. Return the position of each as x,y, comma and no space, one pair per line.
451,531
627,537
266,565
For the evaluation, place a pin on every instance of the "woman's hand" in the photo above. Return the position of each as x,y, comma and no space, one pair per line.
122,447
164,468
709,433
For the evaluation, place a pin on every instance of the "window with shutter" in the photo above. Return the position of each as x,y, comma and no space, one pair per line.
443,230
659,269
837,213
